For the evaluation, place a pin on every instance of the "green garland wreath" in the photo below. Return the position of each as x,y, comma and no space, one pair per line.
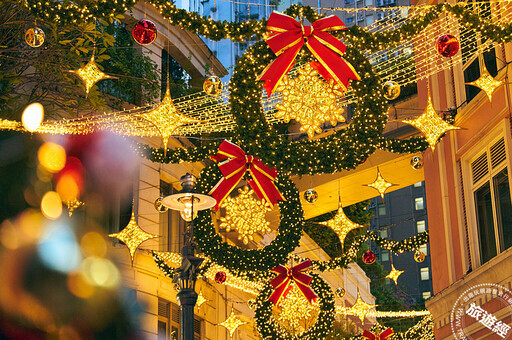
237,259
269,329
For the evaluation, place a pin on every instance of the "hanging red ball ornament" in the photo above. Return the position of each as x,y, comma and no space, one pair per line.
144,32
220,277
447,45
369,257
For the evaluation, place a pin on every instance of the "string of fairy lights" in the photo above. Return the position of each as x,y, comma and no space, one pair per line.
405,64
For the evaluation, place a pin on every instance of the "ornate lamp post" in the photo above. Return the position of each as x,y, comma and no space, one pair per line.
188,202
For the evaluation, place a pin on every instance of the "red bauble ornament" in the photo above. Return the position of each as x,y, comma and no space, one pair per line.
369,257
447,45
144,32
220,277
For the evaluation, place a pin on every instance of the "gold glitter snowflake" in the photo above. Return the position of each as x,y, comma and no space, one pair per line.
246,215
295,313
309,100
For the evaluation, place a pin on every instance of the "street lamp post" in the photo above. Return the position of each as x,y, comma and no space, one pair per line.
188,202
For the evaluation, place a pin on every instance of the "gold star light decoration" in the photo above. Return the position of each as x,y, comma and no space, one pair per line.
166,117
309,100
200,300
295,313
430,124
394,274
341,224
380,184
132,235
73,205
486,82
360,308
246,215
232,323
90,75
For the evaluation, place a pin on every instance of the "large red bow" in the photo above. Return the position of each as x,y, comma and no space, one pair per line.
288,38
383,336
281,283
233,165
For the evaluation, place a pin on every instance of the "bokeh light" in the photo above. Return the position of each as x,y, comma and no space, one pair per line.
32,116
101,272
52,156
58,249
51,205
78,285
67,188
93,244
31,223
8,235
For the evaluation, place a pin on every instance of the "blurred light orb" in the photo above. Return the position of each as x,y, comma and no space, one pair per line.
93,244
52,156
78,285
67,188
51,205
101,272
58,249
32,116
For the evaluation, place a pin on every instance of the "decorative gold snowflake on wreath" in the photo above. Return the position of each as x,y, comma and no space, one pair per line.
309,100
246,215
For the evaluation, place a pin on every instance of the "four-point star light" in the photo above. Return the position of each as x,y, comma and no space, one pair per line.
486,82
380,184
341,224
360,308
394,274
232,323
90,75
132,235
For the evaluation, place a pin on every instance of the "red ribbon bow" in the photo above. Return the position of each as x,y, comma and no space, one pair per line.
233,165
383,336
288,38
281,283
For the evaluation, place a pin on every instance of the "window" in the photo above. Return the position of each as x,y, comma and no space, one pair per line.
369,3
424,274
424,249
172,226
198,325
418,184
426,295
420,226
382,209
384,255
491,195
384,233
350,20
369,18
418,203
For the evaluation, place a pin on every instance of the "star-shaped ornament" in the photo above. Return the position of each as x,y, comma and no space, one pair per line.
360,308
380,184
132,235
90,75
430,124
309,100
341,224
166,118
394,274
232,323
486,82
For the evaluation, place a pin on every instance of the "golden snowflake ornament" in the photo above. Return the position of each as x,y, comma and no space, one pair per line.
295,313
486,82
166,118
394,274
341,224
90,75
132,235
360,308
430,124
380,184
232,323
246,215
309,100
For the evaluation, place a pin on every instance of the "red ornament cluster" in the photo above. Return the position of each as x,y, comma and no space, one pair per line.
369,257
447,45
144,32
220,277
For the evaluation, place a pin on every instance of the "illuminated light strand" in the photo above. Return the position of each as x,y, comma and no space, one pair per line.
384,314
